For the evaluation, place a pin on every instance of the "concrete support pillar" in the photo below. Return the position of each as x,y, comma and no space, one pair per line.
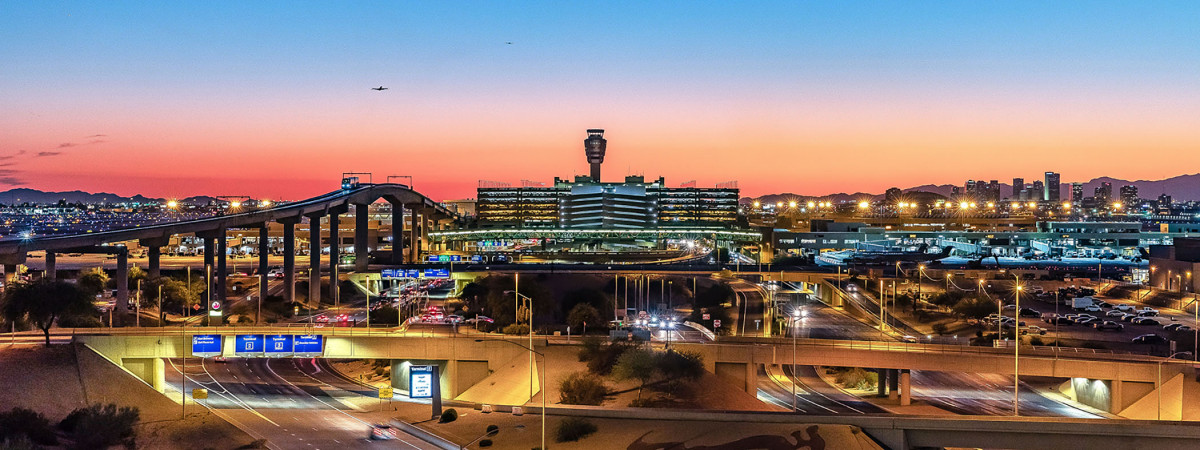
122,280
881,385
360,237
314,261
153,261
289,261
893,380
222,273
210,250
905,387
335,242
264,253
397,233
51,263
414,247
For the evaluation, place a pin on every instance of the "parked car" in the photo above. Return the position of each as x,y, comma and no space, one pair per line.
1092,308
1107,325
1034,329
1127,317
1144,321
1177,327
1149,339
1086,321
1030,312
1123,308
1104,304
1114,313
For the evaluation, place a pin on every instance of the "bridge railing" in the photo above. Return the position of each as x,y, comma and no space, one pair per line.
926,347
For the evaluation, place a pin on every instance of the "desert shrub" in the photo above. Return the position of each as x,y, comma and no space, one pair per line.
857,377
602,362
516,329
448,416
20,423
582,388
573,429
101,426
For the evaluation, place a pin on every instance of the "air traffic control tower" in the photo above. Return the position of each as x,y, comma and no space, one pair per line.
594,147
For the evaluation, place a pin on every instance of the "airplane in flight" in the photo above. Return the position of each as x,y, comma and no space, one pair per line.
380,88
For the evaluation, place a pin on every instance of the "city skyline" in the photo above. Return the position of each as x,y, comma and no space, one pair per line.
275,101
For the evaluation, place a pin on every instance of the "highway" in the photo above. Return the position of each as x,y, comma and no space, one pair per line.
293,403
988,394
813,395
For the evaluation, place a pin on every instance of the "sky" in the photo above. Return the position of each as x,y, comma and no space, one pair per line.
273,100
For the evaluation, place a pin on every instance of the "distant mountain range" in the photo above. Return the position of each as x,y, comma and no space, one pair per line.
1180,188
34,196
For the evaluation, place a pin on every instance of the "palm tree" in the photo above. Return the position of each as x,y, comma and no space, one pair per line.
44,301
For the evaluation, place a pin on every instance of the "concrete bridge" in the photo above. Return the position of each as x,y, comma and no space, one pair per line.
1106,381
425,214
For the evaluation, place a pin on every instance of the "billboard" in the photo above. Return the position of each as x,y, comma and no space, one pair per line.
308,345
248,345
278,345
205,345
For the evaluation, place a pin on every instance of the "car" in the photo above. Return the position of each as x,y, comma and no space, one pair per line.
220,359
1093,308
480,319
381,432
1123,308
1149,339
1107,325
1148,311
1177,327
1114,313
1144,321
1030,312
275,273
909,339
1010,306
1034,329
1104,304
1127,317
1086,321
454,318
851,287
1060,320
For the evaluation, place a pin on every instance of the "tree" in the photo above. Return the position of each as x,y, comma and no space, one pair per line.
714,296
43,301
583,314
636,364
176,294
93,281
597,298
974,308
136,274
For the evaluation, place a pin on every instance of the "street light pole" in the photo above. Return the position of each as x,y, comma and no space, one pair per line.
1017,348
543,387
1158,386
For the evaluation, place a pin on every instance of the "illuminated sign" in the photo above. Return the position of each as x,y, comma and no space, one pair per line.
420,382
248,345
307,345
278,345
205,345
436,273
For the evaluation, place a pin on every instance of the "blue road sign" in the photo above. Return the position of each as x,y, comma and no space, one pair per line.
279,345
412,273
205,345
248,345
391,273
308,345
437,273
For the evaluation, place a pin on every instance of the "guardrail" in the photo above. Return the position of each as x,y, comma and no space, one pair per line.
705,331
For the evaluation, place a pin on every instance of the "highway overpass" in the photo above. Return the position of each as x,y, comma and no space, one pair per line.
426,214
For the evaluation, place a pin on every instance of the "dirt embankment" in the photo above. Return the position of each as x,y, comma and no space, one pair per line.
56,380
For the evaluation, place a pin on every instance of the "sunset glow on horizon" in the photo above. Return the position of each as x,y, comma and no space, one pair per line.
272,99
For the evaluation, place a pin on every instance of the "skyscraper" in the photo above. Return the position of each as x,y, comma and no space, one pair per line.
1052,187
1129,195
1076,193
1018,184
1038,192
1103,193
